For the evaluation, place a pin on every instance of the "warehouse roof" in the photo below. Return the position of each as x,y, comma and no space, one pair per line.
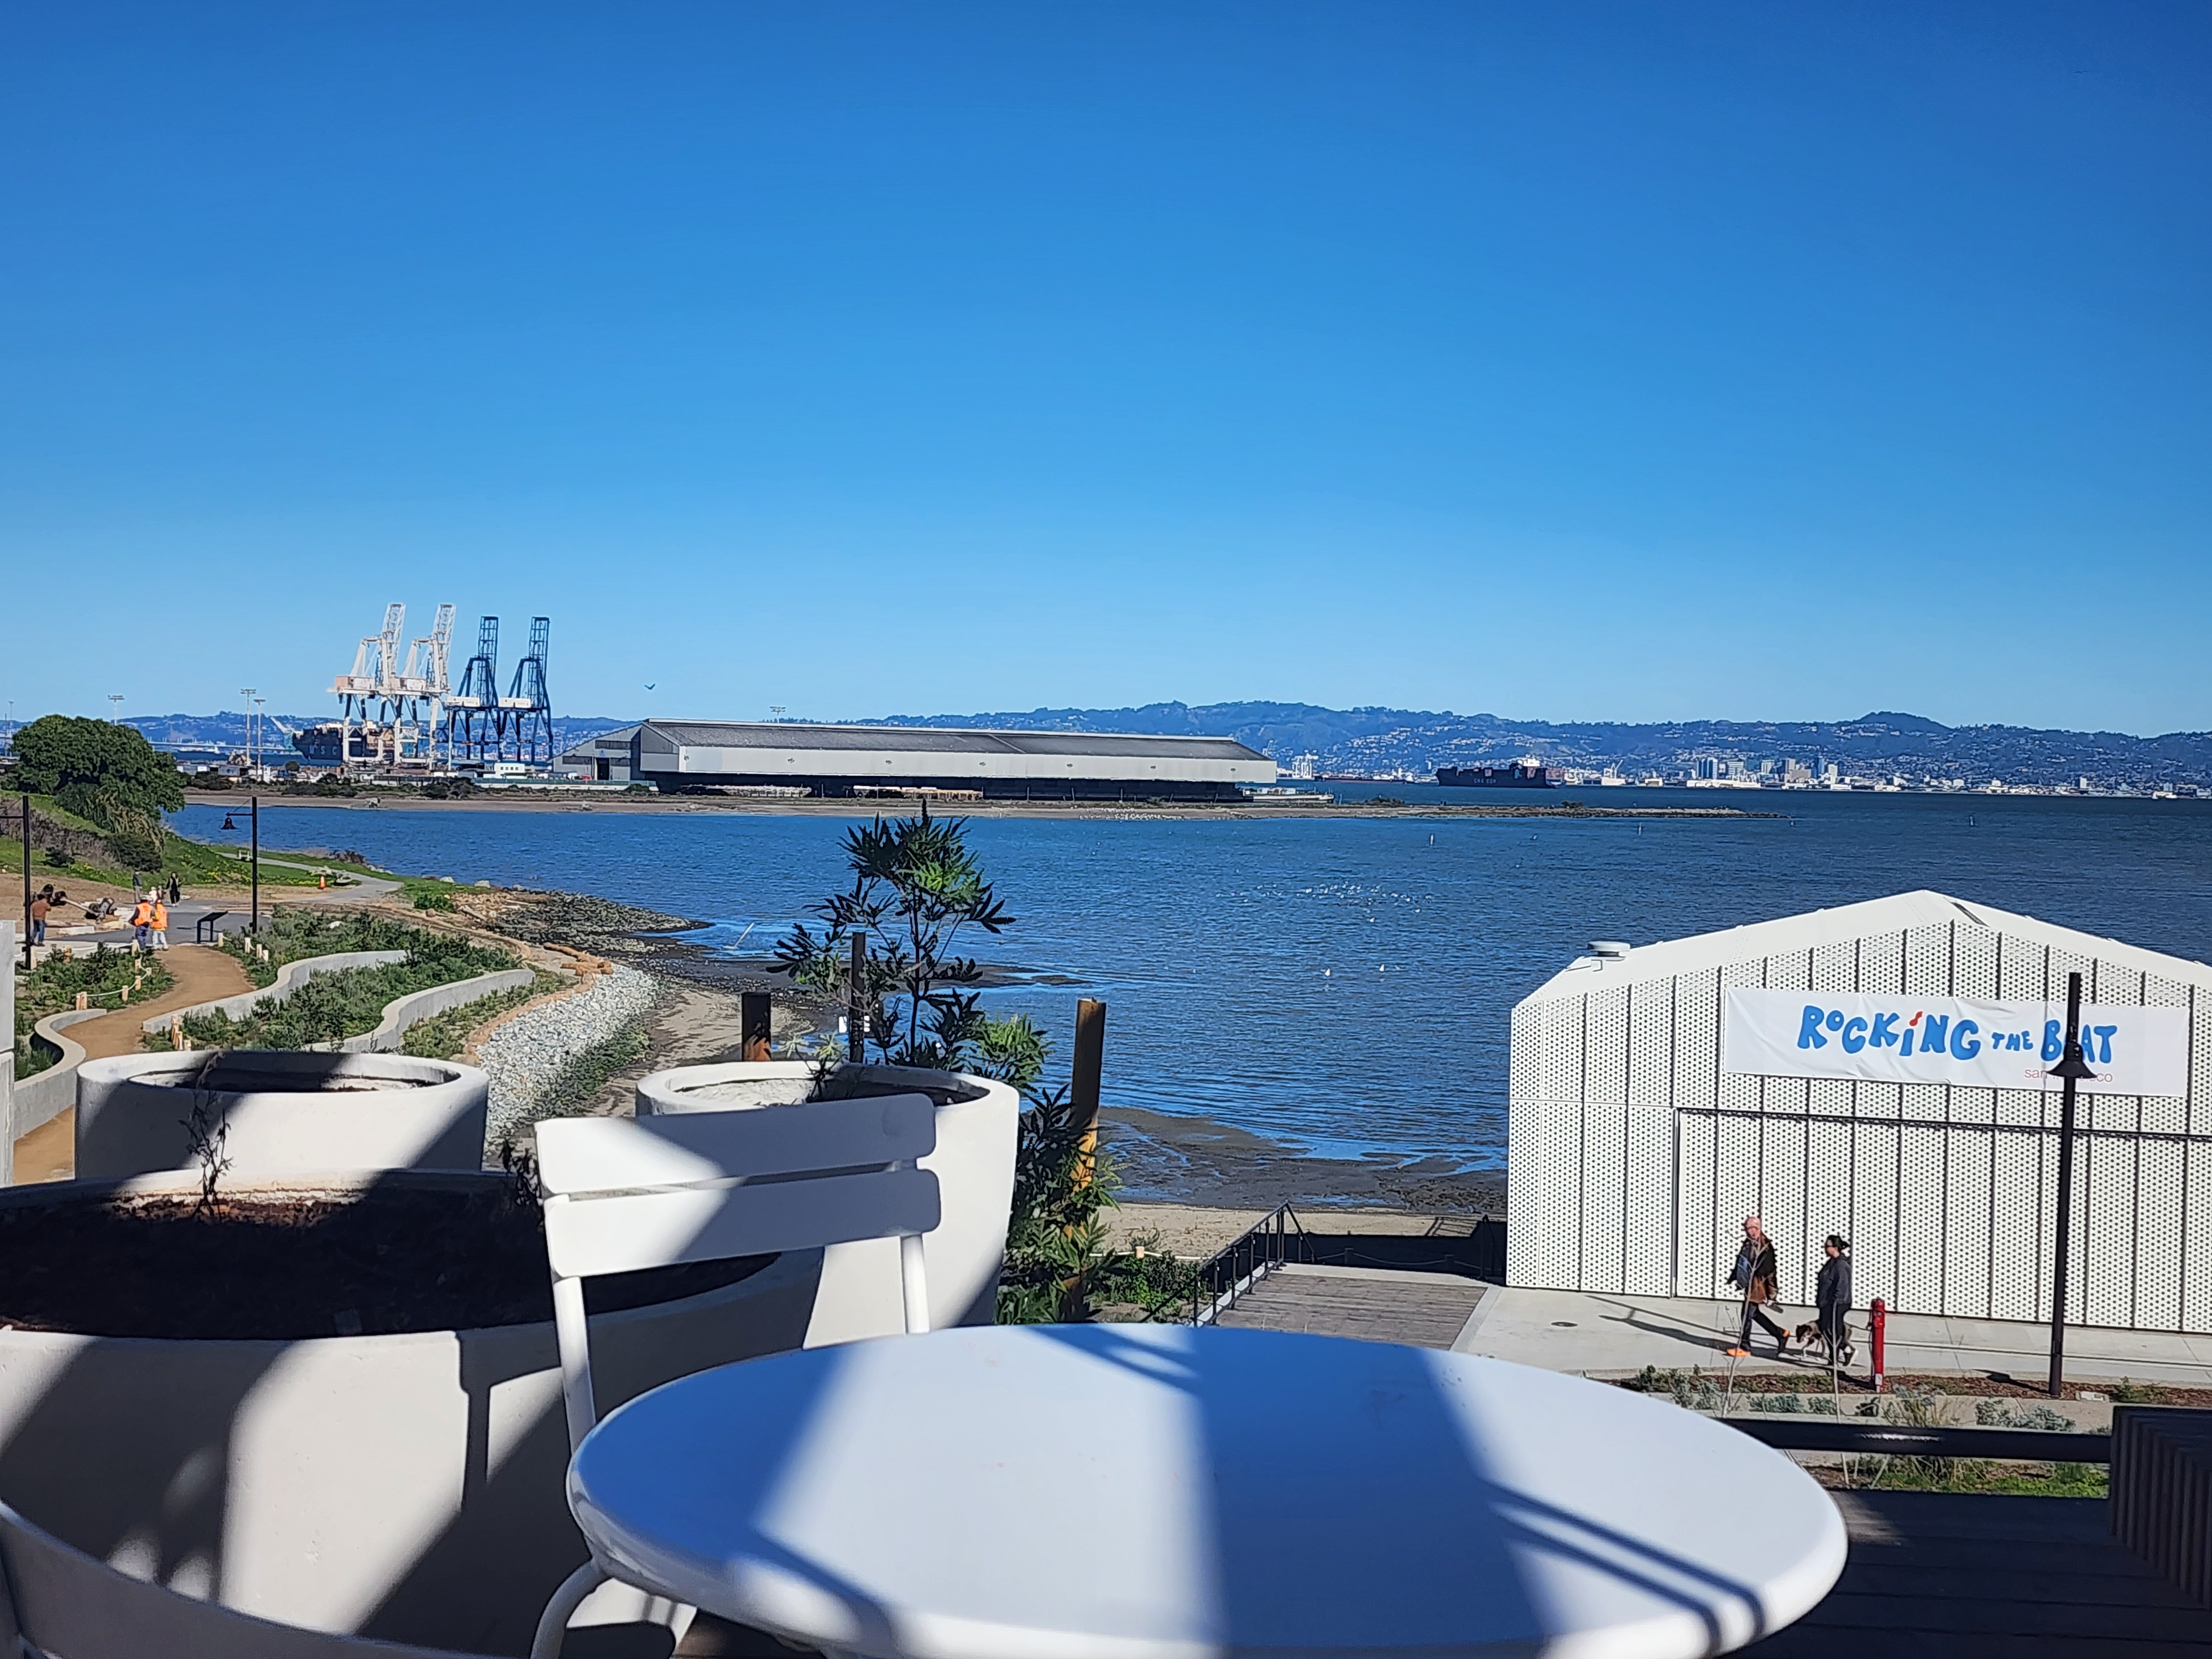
1899,913
938,740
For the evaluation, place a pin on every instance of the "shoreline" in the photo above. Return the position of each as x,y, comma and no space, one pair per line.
551,802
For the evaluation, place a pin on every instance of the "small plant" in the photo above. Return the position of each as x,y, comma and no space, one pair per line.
1789,1405
206,1136
2128,1392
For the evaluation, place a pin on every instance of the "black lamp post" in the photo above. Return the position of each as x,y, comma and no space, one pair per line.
2072,1069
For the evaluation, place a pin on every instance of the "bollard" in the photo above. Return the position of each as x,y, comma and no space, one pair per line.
1880,1339
177,1032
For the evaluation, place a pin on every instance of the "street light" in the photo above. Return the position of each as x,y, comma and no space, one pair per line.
246,692
115,708
260,734
2071,1069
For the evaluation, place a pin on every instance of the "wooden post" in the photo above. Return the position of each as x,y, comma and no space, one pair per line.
1088,1064
753,1025
856,1003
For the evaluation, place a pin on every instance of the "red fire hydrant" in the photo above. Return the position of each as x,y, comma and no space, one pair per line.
1881,1337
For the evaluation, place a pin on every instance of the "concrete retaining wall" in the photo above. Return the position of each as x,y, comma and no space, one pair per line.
41,1098
416,1007
289,979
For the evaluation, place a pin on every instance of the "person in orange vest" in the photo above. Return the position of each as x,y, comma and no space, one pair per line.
159,920
142,922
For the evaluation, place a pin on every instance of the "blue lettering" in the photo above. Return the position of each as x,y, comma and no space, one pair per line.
1835,1020
2105,1044
1884,1035
1854,1035
1808,1031
2054,1044
1934,1034
1965,1045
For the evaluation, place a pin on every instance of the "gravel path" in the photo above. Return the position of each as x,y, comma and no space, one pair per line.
528,1057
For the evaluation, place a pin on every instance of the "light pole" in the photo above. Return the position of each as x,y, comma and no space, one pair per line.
2071,1070
260,737
246,692
115,708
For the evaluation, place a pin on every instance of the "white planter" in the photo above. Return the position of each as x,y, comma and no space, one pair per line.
290,1114
405,1486
974,1166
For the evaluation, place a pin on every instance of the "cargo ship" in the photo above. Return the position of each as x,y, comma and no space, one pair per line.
1516,775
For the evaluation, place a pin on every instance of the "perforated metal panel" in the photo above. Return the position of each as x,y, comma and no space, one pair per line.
2197,1236
1696,1215
2017,1227
1782,1203
1823,1096
1923,1103
1968,1196
1836,967
2020,966
1975,1106
1697,1038
1827,1182
2107,1239
1737,1092
1605,1053
2200,1063
1736,1181
1928,962
1920,1195
1648,1246
1790,970
1973,961
2158,1237
1874,1212
1604,1196
1651,1043
1881,964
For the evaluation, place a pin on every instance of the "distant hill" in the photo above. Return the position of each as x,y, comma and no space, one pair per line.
1380,740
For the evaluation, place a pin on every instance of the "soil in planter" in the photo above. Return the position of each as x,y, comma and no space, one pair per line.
273,1265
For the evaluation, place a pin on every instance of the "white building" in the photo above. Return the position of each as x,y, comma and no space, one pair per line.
1635,1155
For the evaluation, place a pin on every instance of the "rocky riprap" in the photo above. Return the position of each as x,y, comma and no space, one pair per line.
533,1054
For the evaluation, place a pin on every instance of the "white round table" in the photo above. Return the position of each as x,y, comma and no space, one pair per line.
1154,1491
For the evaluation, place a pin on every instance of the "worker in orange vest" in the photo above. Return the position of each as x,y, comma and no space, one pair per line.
159,920
142,922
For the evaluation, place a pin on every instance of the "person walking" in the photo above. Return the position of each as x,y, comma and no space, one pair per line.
159,920
176,892
41,906
142,922
1754,1276
1831,1297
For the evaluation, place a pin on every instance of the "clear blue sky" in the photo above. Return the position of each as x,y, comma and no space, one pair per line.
1567,361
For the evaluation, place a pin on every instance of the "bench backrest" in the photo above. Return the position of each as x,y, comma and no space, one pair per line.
624,1193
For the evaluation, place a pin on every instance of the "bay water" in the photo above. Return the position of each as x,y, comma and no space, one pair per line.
1340,987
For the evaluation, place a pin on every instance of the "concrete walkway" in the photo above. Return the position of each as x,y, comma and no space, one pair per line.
49,1152
1608,1335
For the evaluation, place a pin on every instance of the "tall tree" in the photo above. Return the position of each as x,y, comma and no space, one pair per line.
107,773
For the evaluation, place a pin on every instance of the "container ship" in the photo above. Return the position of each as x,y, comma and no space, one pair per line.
1517,775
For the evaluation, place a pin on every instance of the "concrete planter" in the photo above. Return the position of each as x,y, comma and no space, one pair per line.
290,978
974,1166
290,1114
407,1486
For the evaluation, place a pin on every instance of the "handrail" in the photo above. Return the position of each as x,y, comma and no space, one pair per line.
1226,1274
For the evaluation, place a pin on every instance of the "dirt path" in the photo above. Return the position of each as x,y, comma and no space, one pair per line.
49,1152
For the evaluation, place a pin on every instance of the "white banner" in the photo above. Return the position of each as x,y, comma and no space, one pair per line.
1954,1040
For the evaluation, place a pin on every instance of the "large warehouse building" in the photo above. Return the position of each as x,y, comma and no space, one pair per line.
679,756
1875,1071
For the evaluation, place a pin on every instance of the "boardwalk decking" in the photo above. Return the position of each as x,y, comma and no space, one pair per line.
1425,1311
1975,1578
